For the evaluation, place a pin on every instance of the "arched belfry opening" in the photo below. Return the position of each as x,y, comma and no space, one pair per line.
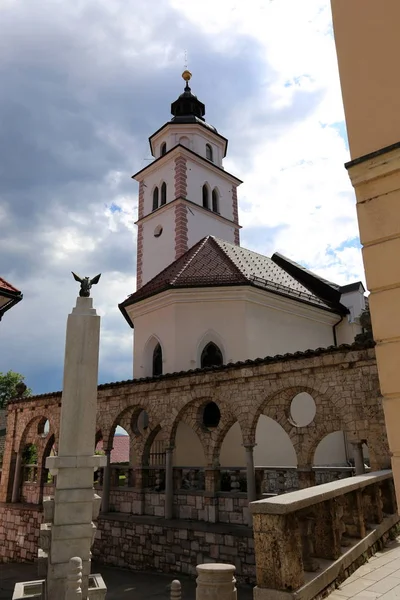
157,361
206,200
211,356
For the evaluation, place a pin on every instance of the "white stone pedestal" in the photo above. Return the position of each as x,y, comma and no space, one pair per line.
68,529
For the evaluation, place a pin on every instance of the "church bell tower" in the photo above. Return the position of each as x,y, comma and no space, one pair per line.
185,194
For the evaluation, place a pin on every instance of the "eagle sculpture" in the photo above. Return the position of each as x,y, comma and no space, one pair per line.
86,284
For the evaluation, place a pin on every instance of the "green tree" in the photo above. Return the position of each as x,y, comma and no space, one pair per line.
11,385
365,322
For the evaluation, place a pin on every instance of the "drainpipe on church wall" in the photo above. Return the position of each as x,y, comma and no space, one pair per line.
334,331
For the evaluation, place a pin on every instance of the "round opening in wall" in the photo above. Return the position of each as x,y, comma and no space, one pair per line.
302,410
158,231
211,415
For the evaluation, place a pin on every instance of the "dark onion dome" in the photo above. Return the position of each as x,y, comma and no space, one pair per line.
188,108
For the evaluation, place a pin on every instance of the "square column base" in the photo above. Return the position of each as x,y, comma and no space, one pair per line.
33,589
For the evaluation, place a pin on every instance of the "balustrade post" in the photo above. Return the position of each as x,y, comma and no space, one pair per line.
358,458
74,579
307,532
105,499
278,554
17,478
169,483
212,486
328,529
176,590
306,477
216,582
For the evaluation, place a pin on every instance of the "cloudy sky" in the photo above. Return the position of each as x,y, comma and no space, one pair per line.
82,86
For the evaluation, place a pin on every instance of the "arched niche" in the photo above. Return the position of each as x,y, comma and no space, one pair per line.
332,451
232,453
273,445
188,449
184,141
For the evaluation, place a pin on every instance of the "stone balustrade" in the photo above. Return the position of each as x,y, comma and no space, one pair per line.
303,539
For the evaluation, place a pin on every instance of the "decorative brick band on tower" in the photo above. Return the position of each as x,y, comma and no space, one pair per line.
141,201
180,177
235,213
139,256
181,230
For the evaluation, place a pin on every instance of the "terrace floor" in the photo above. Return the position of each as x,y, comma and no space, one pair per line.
120,583
378,578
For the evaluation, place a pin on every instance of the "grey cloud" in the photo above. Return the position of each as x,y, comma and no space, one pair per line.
83,85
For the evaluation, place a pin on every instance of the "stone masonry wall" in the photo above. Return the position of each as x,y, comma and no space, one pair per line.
19,533
231,508
138,542
173,547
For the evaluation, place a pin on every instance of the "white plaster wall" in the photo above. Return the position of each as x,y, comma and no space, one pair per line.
198,138
159,252
331,450
355,302
202,223
188,449
271,332
161,325
197,176
274,447
165,172
346,331
232,452
241,327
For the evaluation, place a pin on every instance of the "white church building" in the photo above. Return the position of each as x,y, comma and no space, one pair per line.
202,299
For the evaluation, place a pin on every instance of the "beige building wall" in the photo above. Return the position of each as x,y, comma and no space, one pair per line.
368,48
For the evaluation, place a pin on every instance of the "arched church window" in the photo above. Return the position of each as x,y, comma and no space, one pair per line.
163,193
215,202
155,198
163,149
211,356
205,197
157,361
209,152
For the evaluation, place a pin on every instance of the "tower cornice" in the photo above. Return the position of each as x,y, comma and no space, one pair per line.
180,150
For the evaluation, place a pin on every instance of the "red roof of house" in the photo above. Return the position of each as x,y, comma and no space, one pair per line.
7,286
120,451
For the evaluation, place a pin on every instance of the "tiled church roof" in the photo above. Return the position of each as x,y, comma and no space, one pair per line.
213,263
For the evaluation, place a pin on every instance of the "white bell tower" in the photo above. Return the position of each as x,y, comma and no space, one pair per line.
184,194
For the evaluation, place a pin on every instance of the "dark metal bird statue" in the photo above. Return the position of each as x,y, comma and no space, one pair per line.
86,284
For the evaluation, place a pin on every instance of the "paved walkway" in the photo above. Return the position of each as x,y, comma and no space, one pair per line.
378,578
121,584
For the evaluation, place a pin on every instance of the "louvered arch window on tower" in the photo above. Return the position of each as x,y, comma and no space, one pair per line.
206,201
211,356
163,193
209,152
163,149
157,361
215,200
155,198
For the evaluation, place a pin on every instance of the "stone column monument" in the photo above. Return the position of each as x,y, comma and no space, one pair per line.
69,530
